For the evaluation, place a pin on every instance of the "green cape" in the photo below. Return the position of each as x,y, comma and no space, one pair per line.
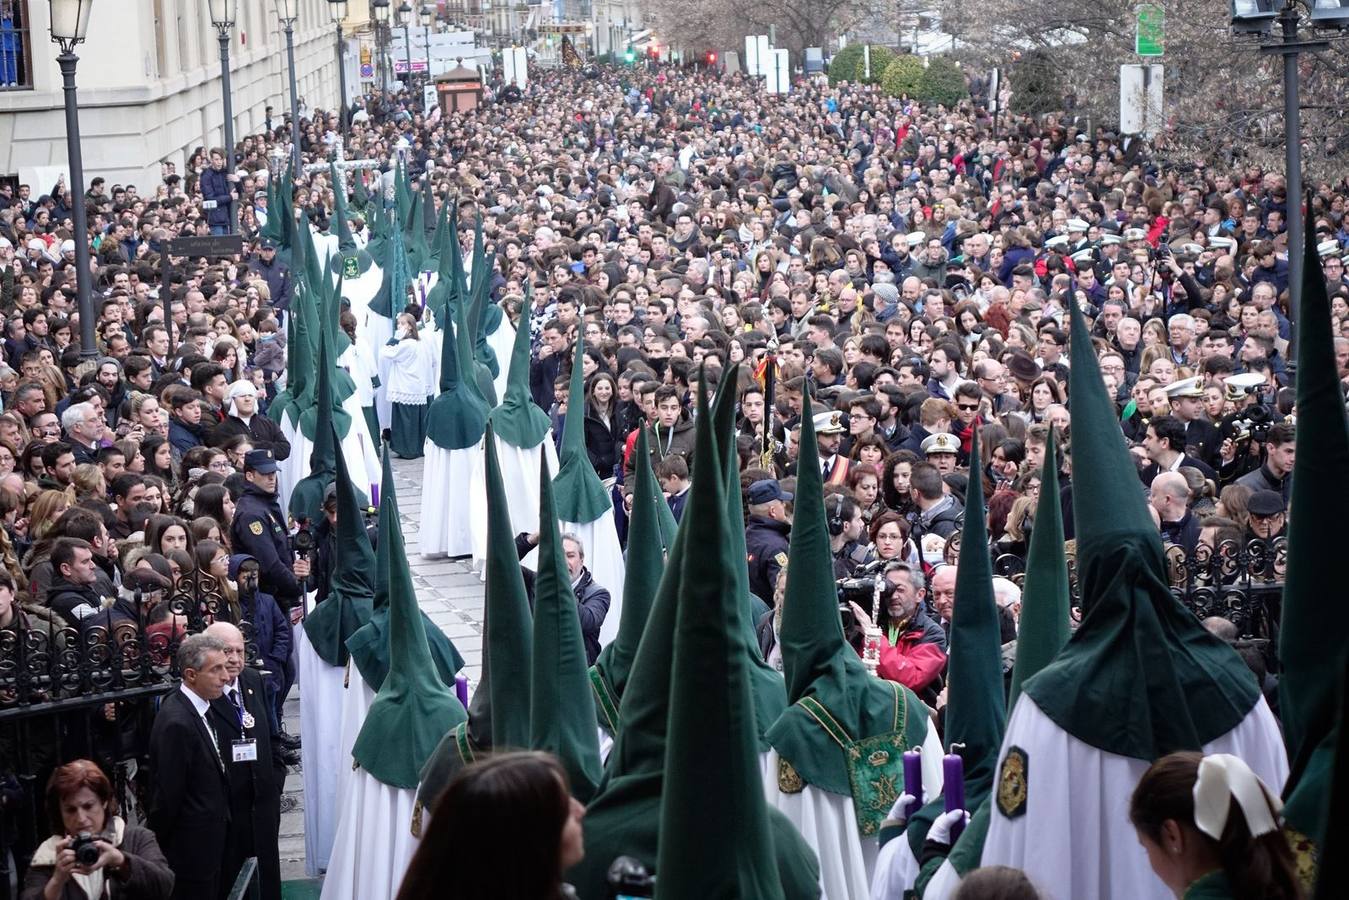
412,708
561,712
819,664
1169,685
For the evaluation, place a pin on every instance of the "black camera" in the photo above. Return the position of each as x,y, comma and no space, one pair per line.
86,851
302,541
629,879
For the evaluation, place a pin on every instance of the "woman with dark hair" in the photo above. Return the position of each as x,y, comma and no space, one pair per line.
504,827
1210,827
214,502
129,863
602,436
165,533
895,481
158,459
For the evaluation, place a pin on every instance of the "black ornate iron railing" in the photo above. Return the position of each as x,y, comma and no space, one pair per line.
1238,581
120,651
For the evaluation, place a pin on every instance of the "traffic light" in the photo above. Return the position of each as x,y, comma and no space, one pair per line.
711,58
629,56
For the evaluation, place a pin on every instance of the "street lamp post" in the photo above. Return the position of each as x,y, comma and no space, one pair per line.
382,10
287,12
223,14
70,23
338,9
428,16
1290,47
405,16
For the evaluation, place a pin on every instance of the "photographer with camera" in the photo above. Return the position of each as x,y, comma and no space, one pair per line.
1276,472
259,530
93,854
911,642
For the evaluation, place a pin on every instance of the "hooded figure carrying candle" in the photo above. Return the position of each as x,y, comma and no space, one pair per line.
1140,678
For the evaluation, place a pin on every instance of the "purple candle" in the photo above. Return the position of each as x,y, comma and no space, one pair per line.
461,689
913,780
374,495
953,779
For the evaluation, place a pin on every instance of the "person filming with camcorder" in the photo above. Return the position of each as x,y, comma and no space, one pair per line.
911,643
93,854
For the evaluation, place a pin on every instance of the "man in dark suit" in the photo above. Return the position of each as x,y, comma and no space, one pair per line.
189,803
256,772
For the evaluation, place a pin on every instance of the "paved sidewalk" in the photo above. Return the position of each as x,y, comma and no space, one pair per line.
452,597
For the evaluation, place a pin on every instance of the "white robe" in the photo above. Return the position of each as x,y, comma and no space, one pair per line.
828,823
359,449
502,342
1074,839
374,841
321,753
519,470
453,484
356,702
944,883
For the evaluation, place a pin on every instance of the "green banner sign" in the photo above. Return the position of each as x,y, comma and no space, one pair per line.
1151,34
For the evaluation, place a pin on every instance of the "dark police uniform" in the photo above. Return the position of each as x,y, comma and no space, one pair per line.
766,545
259,529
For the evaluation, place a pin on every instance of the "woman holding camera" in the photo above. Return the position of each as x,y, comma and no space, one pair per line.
93,854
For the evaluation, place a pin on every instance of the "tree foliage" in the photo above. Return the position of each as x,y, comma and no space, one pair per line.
903,76
702,24
849,64
1223,99
942,82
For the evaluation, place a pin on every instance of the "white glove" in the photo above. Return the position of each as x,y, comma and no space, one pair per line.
900,811
940,832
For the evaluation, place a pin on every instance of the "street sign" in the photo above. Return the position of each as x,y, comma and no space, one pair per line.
1141,98
1151,35
215,245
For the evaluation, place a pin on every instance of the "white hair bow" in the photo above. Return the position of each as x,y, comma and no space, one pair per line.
1222,777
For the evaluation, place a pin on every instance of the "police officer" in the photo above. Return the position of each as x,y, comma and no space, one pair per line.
259,529
766,536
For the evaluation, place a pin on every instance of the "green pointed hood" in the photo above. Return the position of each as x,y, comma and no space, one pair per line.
581,497
361,196
287,405
412,708
975,710
1043,629
445,293
402,198
1315,625
518,420
272,229
306,499
378,245
624,818
442,229
645,564
1169,684
819,664
419,252
498,716
457,417
391,297
369,646
351,593
766,684
479,291
350,260
561,713
714,834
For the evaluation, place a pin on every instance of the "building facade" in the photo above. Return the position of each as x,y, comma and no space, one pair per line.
149,84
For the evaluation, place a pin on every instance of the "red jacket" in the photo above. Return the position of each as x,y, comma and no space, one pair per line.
914,665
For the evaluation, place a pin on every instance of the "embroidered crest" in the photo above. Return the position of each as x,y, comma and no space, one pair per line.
1012,783
255,528
417,820
351,267
780,559
789,780
1305,857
